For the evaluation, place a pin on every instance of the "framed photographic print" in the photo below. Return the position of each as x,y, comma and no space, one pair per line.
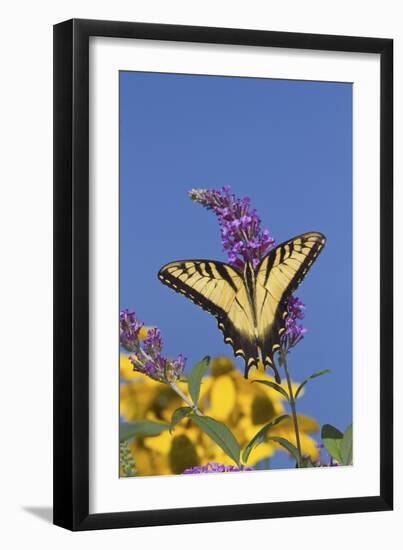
248,173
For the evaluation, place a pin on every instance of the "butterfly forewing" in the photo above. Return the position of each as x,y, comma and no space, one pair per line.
277,277
219,289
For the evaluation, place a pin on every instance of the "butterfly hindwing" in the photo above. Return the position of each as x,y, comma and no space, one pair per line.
277,276
219,289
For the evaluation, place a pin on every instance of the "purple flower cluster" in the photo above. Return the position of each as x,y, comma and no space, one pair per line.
294,331
241,236
214,468
243,240
129,329
147,357
152,343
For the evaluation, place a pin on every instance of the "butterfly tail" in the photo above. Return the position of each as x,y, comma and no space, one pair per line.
249,363
269,362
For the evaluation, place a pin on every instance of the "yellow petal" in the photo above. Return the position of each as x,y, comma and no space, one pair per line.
205,388
150,463
307,424
160,443
261,452
186,427
126,369
274,395
221,365
249,429
222,397
142,334
135,400
244,386
309,447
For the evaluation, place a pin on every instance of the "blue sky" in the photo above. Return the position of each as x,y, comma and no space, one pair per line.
285,144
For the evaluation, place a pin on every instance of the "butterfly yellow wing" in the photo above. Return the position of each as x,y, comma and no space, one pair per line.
277,276
219,289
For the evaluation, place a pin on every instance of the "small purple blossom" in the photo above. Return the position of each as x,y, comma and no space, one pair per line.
129,329
294,331
243,240
241,236
214,468
179,363
147,357
153,343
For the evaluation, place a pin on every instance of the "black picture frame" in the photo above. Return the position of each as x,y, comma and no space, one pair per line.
71,274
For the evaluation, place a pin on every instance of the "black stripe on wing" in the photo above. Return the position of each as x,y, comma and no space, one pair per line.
269,342
242,341
181,287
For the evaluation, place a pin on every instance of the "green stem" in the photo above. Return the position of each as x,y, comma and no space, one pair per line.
185,399
293,408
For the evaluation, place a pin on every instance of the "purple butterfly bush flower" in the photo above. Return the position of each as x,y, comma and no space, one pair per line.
129,330
152,343
214,468
147,355
244,241
241,236
294,332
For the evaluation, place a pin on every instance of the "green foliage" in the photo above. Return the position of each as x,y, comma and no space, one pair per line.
346,446
177,416
260,436
141,428
306,462
287,446
338,445
127,463
275,386
331,438
195,378
220,434
305,382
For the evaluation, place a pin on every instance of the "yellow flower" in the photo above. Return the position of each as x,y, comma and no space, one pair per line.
225,395
249,406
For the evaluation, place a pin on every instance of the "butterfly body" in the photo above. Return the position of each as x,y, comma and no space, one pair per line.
250,306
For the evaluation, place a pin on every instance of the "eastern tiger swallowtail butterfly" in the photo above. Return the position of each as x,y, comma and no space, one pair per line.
250,306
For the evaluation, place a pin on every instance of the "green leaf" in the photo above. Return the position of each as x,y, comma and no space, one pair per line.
287,446
330,432
195,378
332,438
305,382
275,386
220,434
306,462
141,427
177,416
260,436
346,447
